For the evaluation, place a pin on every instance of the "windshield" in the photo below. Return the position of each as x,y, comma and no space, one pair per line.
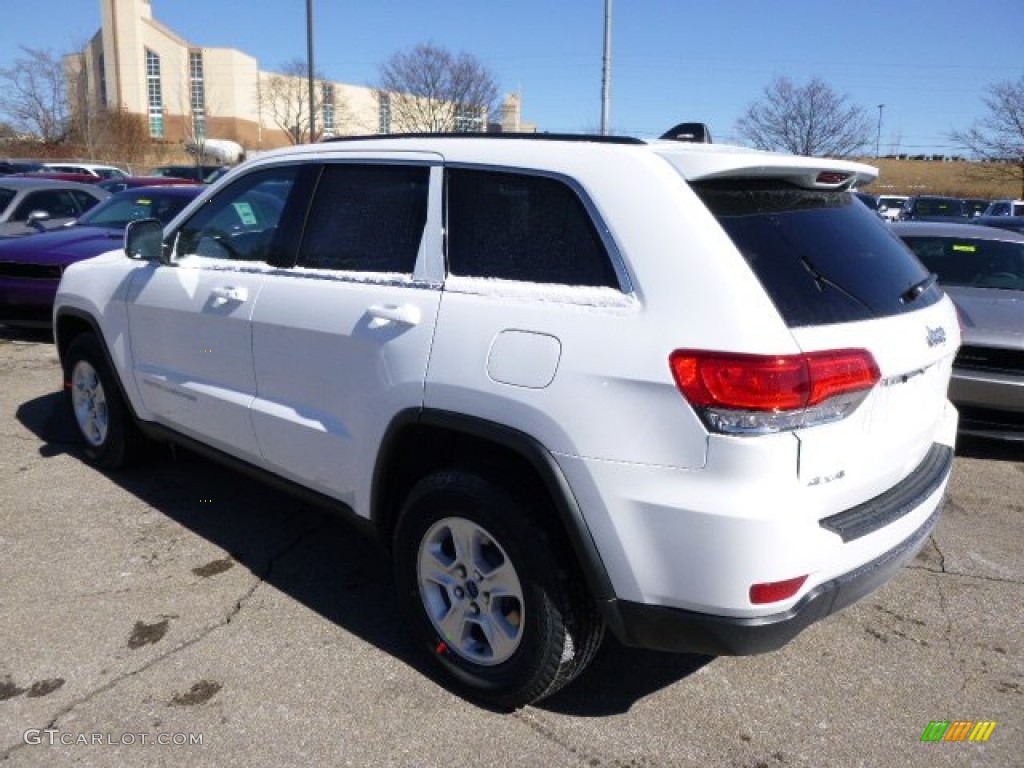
6,195
127,206
938,206
821,256
971,261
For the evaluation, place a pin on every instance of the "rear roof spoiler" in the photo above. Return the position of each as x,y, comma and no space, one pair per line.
694,133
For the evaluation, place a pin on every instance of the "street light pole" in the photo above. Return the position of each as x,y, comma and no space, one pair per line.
309,60
878,136
606,69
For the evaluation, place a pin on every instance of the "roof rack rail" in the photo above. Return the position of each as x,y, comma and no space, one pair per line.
531,136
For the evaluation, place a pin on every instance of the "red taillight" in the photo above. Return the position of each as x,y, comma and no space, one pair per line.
774,591
748,382
823,386
840,372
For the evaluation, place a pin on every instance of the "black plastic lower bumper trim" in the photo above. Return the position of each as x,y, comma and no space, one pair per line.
673,629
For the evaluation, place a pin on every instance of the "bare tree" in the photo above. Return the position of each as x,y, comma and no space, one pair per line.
285,96
811,120
96,131
429,89
33,95
89,119
998,138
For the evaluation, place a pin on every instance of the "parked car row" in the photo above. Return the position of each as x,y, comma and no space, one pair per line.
942,208
31,267
96,173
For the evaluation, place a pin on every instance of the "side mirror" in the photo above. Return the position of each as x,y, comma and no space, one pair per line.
36,219
144,240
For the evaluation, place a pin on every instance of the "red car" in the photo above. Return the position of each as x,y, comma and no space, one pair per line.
81,178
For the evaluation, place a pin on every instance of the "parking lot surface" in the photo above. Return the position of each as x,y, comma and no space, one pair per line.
181,614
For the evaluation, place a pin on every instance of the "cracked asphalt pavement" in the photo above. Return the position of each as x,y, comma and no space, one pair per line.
181,602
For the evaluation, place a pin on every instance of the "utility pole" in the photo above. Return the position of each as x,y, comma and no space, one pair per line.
309,59
606,70
878,137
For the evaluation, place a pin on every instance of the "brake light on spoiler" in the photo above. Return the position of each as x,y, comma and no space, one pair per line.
758,394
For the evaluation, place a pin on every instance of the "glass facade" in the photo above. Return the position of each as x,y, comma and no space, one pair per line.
197,93
383,113
469,119
327,95
155,95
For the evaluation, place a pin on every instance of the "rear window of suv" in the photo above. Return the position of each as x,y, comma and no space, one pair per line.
821,256
512,226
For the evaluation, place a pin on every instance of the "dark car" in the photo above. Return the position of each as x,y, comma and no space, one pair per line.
871,201
32,205
19,166
202,173
934,208
982,269
130,182
1012,223
31,267
975,206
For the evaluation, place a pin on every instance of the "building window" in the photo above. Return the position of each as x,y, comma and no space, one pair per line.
156,99
197,90
383,113
469,119
327,94
102,80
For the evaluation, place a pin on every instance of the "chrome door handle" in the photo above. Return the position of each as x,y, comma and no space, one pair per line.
405,314
226,293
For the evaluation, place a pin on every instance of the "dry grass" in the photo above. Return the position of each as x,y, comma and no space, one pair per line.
958,178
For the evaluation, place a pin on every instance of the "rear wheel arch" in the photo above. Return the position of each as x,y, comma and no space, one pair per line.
420,442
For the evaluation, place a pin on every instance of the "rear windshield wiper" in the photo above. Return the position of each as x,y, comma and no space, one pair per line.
917,289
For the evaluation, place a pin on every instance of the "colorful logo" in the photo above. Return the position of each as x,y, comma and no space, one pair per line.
958,730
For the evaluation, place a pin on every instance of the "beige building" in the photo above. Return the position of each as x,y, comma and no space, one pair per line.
183,92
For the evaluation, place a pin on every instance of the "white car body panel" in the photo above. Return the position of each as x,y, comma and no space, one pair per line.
302,372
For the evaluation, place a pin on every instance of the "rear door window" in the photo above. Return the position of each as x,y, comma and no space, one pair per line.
821,255
521,227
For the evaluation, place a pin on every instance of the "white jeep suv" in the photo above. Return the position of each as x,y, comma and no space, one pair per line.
692,393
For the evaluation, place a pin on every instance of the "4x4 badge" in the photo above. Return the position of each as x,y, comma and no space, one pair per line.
936,336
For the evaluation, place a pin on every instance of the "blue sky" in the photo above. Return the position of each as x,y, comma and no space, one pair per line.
927,62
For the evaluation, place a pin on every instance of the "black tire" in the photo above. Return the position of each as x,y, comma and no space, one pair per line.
501,645
101,417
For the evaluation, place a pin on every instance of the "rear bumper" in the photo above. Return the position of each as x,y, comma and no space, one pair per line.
991,404
988,389
670,628
673,629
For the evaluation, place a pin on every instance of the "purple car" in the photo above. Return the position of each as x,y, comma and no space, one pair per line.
31,267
